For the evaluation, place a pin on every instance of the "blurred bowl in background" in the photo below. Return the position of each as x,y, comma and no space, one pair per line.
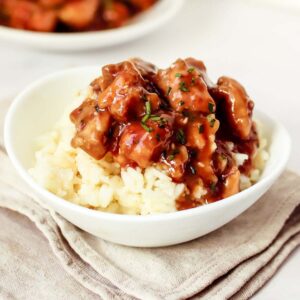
139,26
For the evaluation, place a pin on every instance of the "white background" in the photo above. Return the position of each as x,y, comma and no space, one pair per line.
256,42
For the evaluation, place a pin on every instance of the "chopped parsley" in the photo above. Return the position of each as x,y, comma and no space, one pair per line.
178,75
191,69
201,128
155,118
144,98
212,122
146,117
171,157
162,121
211,107
193,80
147,128
181,103
180,136
169,91
211,119
183,87
223,156
213,186
148,108
188,115
173,153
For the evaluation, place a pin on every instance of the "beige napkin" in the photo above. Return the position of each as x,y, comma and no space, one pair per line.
234,261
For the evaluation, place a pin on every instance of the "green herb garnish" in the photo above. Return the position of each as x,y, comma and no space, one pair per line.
213,186
163,121
145,118
211,107
148,112
171,157
180,136
211,120
191,69
148,129
148,108
173,153
178,75
169,91
181,103
155,118
188,115
183,87
201,128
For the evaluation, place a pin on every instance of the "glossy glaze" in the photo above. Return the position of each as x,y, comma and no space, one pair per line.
175,119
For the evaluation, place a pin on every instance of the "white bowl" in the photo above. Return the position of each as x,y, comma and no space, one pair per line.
140,25
40,105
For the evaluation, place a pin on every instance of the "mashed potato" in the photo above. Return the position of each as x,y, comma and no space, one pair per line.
102,185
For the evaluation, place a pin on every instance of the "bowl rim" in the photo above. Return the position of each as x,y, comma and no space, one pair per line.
64,40
22,96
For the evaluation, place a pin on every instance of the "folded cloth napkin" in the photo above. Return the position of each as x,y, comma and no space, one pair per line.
232,262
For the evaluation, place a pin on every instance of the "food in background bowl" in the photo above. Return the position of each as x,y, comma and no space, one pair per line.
69,15
148,141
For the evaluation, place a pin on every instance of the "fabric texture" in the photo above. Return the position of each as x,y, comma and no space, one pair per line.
232,262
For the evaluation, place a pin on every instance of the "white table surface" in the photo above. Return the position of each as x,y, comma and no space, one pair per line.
257,42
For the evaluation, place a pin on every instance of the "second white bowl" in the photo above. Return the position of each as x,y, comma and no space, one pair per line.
142,24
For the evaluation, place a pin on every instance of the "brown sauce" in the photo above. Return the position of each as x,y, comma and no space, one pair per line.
175,119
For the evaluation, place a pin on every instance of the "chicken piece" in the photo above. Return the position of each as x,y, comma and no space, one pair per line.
175,160
96,85
28,15
200,67
238,105
248,147
78,14
20,13
201,137
92,127
185,88
143,143
231,185
222,159
226,169
144,67
116,14
110,72
200,130
43,20
125,96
